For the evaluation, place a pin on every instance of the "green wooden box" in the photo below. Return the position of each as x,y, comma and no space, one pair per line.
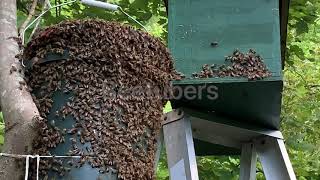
195,24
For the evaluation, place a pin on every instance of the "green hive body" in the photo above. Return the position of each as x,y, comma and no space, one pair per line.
205,32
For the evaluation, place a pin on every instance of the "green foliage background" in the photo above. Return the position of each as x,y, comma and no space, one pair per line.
301,97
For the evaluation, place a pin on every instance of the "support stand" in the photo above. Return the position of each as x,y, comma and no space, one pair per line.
268,145
248,162
274,159
179,147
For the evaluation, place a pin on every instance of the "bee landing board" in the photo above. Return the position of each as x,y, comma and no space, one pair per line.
205,32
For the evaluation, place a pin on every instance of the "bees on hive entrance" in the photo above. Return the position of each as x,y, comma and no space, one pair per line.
249,65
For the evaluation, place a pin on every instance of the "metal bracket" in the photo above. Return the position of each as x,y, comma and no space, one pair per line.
172,116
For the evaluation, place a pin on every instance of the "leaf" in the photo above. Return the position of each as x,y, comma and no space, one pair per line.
140,4
20,18
310,19
297,51
163,20
1,140
1,118
312,51
233,161
311,59
302,27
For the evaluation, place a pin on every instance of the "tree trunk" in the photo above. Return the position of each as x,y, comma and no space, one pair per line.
17,105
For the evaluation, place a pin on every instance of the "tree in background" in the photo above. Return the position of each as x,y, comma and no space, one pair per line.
17,105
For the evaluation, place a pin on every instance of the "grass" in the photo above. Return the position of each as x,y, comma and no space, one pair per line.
1,130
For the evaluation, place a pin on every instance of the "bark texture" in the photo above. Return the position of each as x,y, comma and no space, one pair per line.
17,105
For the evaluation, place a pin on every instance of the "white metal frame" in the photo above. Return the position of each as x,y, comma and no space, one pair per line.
268,145
180,148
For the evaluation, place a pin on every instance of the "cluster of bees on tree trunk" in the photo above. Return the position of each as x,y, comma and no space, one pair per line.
116,79
249,65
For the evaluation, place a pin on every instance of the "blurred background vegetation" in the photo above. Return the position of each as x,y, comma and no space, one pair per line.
301,97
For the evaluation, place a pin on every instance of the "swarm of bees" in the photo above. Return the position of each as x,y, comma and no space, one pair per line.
116,80
249,65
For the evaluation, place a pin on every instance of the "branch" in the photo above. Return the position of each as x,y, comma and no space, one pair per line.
45,5
31,14
314,85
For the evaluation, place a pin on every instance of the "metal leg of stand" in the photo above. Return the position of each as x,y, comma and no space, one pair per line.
248,162
159,149
180,149
274,159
